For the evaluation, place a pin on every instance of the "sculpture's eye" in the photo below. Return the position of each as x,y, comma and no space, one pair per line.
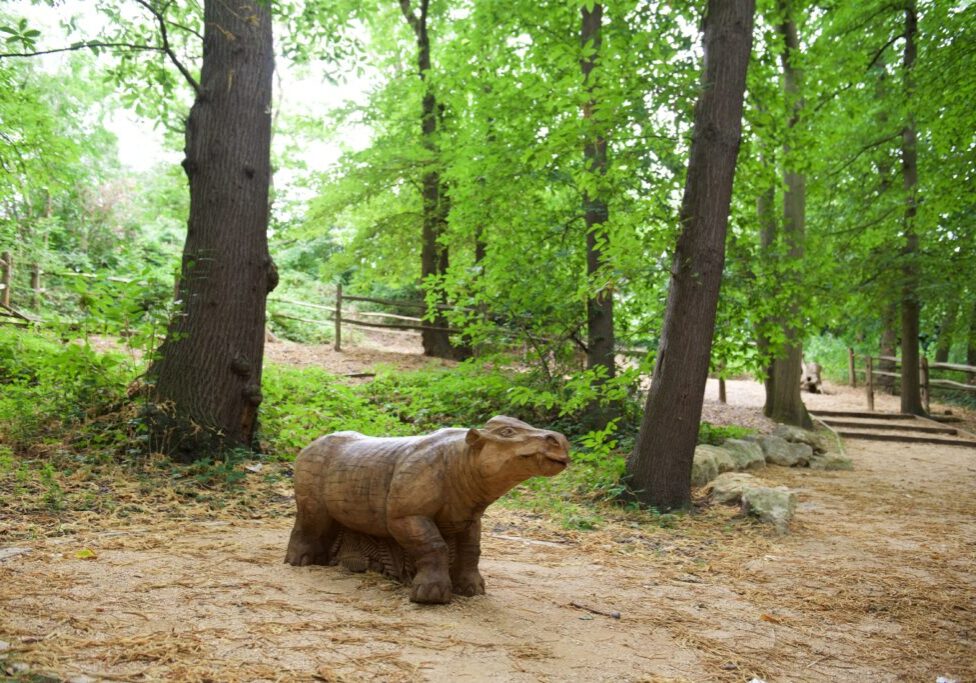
508,431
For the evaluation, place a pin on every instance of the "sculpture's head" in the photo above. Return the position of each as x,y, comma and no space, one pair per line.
509,451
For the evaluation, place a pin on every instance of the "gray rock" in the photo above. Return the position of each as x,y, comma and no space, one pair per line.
817,441
781,452
830,461
4,646
703,468
723,460
729,487
745,454
81,678
773,505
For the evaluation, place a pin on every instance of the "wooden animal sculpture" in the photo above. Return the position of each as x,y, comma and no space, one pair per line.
810,377
411,507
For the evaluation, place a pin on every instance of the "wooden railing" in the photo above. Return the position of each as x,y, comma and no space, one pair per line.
925,369
337,316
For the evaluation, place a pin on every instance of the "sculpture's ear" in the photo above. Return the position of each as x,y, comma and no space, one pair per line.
473,437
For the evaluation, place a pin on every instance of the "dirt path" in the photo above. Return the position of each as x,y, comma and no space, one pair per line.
876,582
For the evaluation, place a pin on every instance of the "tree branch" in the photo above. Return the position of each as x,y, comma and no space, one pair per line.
191,31
865,148
164,36
410,16
877,55
89,44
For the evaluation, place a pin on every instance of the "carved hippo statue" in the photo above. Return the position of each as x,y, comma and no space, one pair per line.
411,507
810,378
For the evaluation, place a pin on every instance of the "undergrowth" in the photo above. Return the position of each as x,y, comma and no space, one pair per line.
68,430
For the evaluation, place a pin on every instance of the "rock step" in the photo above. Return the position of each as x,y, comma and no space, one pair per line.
855,413
891,426
882,416
903,438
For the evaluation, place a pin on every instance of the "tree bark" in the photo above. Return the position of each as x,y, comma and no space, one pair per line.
783,400
599,306
911,393
659,470
207,380
434,259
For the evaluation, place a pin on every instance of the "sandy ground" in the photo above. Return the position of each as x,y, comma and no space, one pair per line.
875,582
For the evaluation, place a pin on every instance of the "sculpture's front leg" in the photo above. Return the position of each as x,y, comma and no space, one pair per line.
421,539
465,577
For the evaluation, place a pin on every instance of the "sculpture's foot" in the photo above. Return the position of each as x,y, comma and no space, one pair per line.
469,583
303,551
431,589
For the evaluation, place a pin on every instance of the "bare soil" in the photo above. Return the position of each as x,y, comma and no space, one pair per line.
875,582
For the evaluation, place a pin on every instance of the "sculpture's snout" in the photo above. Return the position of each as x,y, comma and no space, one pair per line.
557,448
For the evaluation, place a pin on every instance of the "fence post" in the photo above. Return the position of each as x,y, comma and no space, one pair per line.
36,286
923,367
7,270
869,382
721,390
338,318
850,367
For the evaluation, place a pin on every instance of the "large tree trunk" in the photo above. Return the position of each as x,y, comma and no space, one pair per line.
433,254
783,401
599,306
911,394
659,470
888,347
208,377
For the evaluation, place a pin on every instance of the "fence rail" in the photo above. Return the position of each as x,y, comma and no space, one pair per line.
335,314
925,369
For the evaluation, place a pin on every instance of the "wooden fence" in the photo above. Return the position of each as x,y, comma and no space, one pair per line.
338,316
925,370
8,314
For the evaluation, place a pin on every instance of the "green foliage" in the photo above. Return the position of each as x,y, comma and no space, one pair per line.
303,404
714,435
49,386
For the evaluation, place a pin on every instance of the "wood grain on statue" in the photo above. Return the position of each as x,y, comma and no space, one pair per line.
410,507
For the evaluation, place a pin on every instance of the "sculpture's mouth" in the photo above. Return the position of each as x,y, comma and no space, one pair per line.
560,458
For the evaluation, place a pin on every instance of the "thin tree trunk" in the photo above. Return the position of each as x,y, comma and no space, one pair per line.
888,279
208,377
599,306
783,400
433,254
888,347
659,470
766,216
943,343
971,339
911,393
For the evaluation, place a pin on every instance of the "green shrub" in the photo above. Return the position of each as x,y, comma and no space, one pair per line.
49,385
715,434
301,404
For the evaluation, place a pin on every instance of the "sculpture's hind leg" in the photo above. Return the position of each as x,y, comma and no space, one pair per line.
312,536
